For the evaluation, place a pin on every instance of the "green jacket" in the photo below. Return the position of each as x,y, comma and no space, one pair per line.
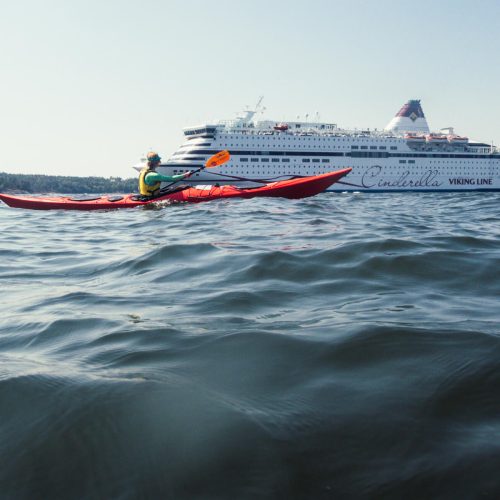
153,177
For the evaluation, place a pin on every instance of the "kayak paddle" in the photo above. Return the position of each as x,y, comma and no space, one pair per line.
214,161
217,159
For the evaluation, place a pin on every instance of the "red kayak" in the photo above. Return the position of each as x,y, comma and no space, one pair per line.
293,188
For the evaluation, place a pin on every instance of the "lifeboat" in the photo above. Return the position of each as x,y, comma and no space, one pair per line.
281,127
414,137
436,138
458,139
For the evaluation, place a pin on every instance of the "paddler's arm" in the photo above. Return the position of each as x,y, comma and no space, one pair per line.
154,177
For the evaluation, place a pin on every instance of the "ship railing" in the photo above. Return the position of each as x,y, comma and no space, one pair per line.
250,129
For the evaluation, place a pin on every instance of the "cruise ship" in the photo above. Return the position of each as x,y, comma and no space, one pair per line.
404,156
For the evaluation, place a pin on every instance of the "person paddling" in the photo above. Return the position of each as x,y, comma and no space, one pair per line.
150,180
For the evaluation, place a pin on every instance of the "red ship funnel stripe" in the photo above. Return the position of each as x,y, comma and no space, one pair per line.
411,109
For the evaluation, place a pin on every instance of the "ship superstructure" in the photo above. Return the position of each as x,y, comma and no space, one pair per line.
405,156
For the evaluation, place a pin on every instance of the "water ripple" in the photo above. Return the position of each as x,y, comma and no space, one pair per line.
344,346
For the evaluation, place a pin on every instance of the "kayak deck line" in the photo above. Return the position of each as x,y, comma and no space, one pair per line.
292,189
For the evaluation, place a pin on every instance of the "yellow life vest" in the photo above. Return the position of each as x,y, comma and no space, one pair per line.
146,189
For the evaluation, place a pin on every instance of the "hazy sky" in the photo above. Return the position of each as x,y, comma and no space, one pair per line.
87,87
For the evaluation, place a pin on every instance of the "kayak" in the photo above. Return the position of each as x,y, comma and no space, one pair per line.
293,188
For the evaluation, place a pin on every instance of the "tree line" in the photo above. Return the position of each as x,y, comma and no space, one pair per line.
64,184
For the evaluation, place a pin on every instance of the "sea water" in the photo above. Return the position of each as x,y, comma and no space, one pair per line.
342,346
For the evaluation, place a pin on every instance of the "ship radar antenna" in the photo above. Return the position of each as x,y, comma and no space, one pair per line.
247,114
259,102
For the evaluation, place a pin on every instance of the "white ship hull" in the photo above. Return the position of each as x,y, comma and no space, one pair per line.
424,175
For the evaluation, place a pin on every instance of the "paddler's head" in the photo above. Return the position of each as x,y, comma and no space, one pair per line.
153,159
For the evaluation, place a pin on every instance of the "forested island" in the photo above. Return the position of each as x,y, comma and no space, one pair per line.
22,183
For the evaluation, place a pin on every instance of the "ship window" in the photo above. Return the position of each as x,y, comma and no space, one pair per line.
373,147
411,161
354,147
364,147
315,160
274,160
243,159
394,147
265,160
402,161
305,160
286,160
254,159
382,147
325,160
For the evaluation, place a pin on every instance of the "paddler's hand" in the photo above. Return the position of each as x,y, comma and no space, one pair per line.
188,174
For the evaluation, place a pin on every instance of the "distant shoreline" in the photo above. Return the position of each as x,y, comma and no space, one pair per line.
35,183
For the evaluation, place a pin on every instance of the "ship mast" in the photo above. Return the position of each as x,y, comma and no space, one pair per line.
247,115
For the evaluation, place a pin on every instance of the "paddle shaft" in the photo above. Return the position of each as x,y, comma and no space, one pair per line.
261,181
214,161
175,182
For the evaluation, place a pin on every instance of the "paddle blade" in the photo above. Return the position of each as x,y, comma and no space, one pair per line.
218,159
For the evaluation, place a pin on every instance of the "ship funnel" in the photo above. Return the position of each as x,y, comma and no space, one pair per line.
410,118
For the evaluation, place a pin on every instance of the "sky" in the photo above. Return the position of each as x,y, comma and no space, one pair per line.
87,87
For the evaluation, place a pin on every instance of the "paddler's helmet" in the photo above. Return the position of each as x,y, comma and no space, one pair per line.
153,159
